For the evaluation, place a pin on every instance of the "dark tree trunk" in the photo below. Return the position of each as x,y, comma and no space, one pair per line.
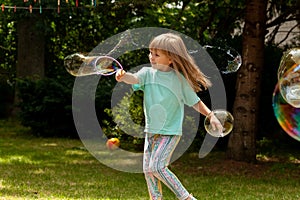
241,144
31,49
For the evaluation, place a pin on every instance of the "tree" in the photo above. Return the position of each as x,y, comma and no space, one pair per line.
241,144
31,48
80,29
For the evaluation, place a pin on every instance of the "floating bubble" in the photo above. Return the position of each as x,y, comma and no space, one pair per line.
99,61
289,77
80,65
74,62
287,116
227,59
225,118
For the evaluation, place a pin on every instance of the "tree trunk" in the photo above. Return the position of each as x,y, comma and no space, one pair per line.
31,49
241,145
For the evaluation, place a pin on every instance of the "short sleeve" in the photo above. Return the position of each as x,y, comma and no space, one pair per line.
141,75
190,97
136,87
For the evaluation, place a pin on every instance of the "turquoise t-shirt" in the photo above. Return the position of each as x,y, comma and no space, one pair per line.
165,95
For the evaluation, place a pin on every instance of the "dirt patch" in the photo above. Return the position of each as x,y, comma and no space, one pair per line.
217,164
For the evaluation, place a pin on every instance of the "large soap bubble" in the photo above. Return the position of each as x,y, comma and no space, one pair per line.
289,77
287,116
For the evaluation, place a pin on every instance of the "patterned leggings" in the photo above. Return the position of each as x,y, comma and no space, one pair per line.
157,154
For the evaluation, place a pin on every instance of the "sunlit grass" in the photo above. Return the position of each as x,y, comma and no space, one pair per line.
59,169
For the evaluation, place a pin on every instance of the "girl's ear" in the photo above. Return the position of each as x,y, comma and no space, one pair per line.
170,61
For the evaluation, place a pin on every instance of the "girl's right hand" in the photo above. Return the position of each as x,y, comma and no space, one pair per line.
120,73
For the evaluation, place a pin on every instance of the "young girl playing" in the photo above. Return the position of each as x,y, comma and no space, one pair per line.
168,85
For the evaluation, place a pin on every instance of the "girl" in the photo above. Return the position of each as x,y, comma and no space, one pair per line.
168,85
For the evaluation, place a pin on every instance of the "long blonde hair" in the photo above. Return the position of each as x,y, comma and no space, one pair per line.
173,46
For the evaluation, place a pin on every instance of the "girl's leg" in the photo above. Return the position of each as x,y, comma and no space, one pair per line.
154,185
161,152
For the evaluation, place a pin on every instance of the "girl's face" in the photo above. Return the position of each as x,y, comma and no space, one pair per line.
159,59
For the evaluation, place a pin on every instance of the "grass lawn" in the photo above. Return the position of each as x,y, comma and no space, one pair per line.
52,168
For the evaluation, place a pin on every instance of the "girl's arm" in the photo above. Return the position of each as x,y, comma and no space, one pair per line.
204,110
129,78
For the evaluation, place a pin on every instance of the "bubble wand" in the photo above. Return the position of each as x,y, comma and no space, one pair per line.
80,65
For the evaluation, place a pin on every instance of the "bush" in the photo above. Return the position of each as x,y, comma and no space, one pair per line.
46,107
6,98
118,122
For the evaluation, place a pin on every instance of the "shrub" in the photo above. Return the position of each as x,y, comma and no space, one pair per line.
45,107
6,98
129,109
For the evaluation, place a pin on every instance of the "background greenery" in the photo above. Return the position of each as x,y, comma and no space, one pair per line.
40,154
45,104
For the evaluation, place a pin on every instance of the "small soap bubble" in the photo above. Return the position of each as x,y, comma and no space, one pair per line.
226,120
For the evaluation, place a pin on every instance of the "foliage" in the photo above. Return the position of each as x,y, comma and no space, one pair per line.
8,47
80,29
5,98
46,107
126,121
197,19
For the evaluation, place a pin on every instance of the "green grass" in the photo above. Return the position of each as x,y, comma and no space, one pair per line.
52,168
